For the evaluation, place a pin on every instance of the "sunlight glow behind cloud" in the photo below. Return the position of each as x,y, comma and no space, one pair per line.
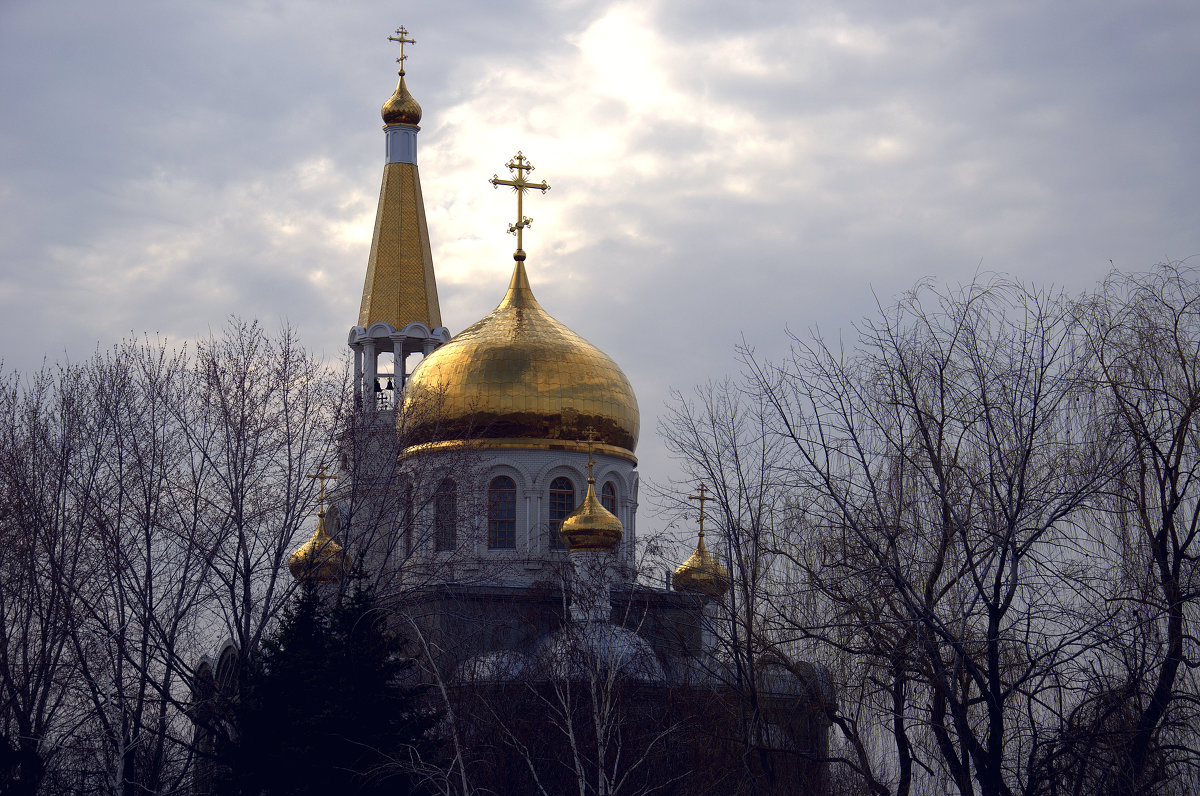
718,171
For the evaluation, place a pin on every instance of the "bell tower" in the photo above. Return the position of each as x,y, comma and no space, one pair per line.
399,314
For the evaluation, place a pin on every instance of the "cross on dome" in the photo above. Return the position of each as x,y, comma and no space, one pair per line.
519,166
590,431
322,476
402,37
702,498
701,572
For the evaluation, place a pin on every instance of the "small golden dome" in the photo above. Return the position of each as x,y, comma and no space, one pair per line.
591,526
320,559
519,377
702,573
401,108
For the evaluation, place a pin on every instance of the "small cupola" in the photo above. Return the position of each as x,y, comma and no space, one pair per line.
320,559
591,526
702,573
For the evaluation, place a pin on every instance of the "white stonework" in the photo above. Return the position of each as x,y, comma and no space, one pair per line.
380,338
532,471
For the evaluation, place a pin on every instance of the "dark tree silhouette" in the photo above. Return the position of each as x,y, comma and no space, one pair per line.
324,708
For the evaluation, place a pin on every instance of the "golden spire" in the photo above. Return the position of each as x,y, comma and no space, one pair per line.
400,286
320,559
518,166
591,526
701,572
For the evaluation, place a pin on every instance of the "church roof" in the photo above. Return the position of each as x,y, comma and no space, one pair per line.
401,108
320,559
702,573
591,526
520,376
400,287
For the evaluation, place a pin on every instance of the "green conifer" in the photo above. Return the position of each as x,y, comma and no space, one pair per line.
325,707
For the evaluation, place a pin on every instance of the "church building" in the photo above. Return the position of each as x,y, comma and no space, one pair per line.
503,428
488,488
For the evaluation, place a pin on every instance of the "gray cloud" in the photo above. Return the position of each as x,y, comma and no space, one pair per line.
718,170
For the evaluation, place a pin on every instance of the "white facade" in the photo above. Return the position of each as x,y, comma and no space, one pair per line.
530,555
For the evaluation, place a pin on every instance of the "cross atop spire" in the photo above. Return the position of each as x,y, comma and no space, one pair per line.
519,166
702,498
402,37
322,476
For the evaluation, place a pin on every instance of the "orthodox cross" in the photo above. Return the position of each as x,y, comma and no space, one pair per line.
401,37
322,476
518,166
702,498
591,439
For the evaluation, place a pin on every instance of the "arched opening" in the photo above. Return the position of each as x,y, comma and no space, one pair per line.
385,387
502,514
562,503
407,518
445,516
608,496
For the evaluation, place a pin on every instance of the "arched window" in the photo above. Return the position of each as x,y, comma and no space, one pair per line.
407,519
445,516
502,514
227,668
562,503
608,496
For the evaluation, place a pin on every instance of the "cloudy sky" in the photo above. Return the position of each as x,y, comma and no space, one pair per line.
719,169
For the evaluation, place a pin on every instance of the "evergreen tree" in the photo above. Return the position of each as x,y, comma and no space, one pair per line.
323,708
21,768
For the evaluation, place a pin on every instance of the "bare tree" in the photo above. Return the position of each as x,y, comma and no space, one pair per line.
721,437
931,534
259,418
136,604
151,498
1144,330
39,560
949,458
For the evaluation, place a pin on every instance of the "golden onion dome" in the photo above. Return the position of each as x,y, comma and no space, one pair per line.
320,559
401,108
519,378
591,526
702,573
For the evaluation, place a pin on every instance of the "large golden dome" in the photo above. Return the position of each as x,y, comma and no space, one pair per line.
520,378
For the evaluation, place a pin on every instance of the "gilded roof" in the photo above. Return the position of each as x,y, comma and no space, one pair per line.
520,374
702,573
320,559
400,287
591,526
401,108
